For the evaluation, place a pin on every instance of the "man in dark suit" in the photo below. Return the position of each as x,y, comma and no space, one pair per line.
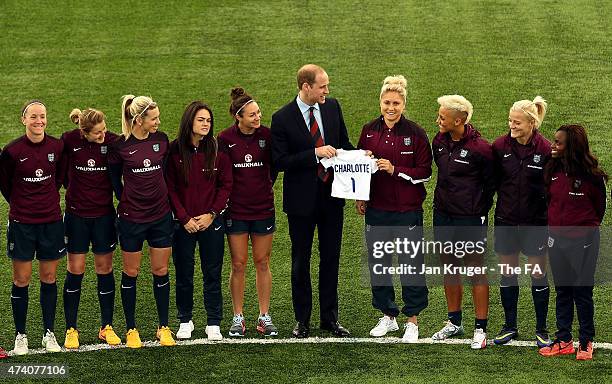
304,131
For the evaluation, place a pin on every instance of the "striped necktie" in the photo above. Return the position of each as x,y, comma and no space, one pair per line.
315,132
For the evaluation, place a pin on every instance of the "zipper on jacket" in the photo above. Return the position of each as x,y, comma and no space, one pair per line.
520,201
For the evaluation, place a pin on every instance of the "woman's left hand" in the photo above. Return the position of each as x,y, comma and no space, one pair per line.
204,221
385,165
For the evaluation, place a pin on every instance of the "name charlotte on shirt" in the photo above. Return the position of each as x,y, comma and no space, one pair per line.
352,174
353,168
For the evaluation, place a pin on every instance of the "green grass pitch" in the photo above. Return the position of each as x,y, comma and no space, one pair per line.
81,54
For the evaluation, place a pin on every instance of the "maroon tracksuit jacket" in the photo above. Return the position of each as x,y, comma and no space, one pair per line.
519,175
575,201
30,178
252,197
203,194
465,185
89,192
143,196
407,147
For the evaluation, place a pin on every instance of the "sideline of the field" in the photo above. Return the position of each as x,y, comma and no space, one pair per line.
310,340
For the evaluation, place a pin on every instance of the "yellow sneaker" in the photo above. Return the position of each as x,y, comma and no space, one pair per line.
72,339
164,335
107,334
132,339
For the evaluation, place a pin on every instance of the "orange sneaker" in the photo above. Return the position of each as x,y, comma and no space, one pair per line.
558,347
164,335
132,339
585,353
108,334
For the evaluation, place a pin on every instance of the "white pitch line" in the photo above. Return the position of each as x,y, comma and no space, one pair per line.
310,340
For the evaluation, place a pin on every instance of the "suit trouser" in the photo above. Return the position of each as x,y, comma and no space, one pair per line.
328,218
573,262
211,243
387,226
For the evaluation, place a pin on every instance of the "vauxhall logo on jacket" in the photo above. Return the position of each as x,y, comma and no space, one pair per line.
147,167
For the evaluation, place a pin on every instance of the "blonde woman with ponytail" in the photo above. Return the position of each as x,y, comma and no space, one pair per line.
89,219
136,163
520,157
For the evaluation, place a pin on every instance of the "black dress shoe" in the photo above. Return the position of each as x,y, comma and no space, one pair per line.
301,330
336,329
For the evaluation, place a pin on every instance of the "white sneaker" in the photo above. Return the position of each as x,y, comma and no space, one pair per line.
213,332
447,331
385,324
50,343
185,329
480,339
411,333
21,344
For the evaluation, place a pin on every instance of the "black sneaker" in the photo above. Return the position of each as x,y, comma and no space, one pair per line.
505,335
542,338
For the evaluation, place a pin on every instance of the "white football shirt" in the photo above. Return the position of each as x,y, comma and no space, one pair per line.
352,173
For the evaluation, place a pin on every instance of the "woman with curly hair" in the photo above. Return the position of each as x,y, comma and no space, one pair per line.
576,205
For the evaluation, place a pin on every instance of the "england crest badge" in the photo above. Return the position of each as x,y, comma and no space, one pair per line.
536,158
407,141
104,149
51,157
155,147
262,143
463,153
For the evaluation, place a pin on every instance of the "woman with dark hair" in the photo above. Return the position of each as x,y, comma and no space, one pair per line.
89,219
29,180
138,157
199,184
251,210
576,206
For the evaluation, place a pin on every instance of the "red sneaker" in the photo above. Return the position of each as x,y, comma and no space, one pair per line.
558,347
586,353
3,354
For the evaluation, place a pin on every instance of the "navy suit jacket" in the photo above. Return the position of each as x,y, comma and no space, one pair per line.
293,153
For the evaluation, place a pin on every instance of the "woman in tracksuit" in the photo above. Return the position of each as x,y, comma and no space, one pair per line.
136,163
397,193
520,213
30,178
251,210
199,184
576,205
462,199
89,219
